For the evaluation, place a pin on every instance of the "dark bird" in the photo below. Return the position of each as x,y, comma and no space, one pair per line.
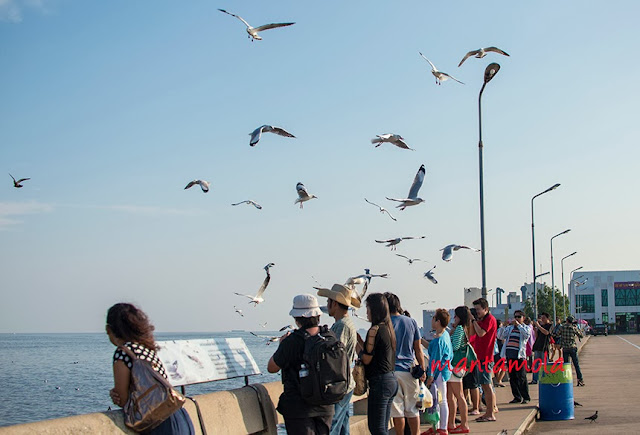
576,403
482,52
17,184
593,417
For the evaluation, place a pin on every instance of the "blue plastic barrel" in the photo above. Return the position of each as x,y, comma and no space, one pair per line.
555,393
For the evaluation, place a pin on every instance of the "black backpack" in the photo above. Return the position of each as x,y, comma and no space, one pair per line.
325,379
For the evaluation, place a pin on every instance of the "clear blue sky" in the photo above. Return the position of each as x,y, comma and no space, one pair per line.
112,107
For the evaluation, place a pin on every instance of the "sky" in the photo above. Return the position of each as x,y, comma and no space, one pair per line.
111,108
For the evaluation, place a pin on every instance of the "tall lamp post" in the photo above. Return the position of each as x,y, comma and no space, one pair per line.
577,284
533,249
564,309
489,72
553,286
562,268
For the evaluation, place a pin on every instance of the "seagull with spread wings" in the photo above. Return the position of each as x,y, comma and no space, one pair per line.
258,297
412,198
269,339
253,31
439,75
250,202
382,209
204,185
394,139
447,251
429,275
393,242
302,194
410,260
239,311
17,184
257,133
481,52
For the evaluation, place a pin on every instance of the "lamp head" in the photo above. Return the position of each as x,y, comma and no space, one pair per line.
566,231
491,70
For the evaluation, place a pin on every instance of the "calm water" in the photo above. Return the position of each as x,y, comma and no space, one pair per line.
33,365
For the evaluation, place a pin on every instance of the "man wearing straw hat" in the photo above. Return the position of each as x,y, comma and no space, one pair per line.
339,300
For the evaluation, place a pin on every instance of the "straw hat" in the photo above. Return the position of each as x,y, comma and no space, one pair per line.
341,294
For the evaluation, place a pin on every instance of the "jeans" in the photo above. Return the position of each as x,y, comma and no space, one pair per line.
308,425
340,423
573,353
382,390
536,367
177,423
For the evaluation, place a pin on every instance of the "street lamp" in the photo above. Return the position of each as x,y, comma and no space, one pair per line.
564,309
553,286
489,73
542,274
533,249
562,268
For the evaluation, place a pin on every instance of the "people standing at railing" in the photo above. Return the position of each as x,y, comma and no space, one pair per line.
541,345
378,354
408,350
515,338
485,327
299,416
129,327
568,333
339,300
438,373
455,398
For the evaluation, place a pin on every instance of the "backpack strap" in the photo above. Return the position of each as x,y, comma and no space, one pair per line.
128,351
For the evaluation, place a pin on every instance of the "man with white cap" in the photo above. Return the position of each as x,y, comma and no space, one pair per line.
339,300
299,416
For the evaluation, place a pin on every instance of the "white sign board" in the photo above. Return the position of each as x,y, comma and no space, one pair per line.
194,361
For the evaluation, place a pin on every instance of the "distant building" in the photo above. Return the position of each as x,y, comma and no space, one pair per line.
606,297
515,300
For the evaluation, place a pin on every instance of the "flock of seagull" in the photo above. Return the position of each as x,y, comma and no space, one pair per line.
412,198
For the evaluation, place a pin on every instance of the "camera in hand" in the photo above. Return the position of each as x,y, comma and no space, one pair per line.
474,313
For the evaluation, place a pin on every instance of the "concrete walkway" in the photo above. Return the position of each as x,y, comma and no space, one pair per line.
611,369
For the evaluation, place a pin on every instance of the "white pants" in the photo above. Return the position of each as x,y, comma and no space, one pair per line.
444,406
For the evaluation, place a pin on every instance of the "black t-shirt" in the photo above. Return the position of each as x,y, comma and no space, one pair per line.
289,358
542,341
384,358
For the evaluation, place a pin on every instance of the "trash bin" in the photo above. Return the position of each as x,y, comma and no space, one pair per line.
555,393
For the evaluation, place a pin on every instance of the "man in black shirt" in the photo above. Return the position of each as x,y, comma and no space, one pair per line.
299,417
542,329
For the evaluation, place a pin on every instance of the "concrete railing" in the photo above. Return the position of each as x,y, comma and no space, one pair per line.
247,410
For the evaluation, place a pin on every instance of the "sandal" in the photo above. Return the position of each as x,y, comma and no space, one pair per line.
483,419
474,412
459,429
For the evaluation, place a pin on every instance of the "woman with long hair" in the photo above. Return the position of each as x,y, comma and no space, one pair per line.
455,398
379,357
128,326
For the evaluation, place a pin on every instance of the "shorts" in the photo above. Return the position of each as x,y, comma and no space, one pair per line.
485,376
470,381
405,401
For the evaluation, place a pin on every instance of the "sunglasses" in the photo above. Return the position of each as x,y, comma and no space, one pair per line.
518,316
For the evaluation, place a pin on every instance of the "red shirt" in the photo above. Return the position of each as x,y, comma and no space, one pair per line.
484,345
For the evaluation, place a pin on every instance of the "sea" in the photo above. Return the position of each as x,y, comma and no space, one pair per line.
46,376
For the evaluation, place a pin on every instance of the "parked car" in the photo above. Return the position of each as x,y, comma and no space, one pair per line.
600,329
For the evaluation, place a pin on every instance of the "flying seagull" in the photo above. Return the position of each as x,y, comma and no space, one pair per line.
204,185
410,260
287,327
250,202
264,325
17,184
253,31
393,242
426,302
238,311
482,52
302,194
439,75
447,251
366,276
593,417
258,297
412,198
391,138
257,133
382,209
268,338
429,275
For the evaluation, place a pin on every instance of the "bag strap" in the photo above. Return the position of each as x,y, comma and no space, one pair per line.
128,351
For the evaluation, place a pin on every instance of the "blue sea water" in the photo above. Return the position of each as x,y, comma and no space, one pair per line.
32,366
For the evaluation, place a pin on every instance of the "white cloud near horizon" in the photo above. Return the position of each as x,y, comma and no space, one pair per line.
11,10
10,211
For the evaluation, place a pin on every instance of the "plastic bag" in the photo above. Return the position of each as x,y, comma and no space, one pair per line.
425,399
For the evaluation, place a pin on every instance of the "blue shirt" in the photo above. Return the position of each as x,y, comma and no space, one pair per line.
407,332
440,353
